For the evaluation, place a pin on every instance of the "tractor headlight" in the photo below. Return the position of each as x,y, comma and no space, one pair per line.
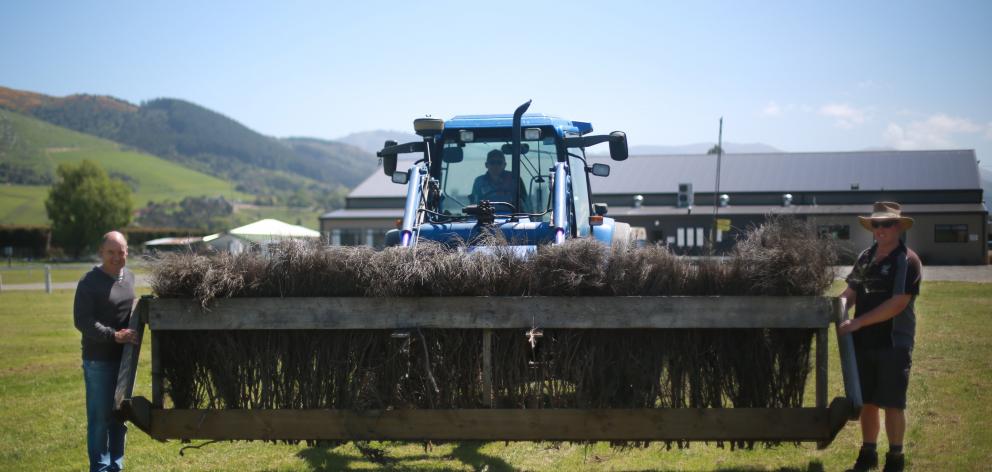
532,134
466,136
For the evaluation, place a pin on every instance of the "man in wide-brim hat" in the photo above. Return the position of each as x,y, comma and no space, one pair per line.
882,288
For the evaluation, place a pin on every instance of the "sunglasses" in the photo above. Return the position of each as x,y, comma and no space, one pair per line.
495,163
884,224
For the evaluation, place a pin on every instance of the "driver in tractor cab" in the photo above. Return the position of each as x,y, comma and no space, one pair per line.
496,185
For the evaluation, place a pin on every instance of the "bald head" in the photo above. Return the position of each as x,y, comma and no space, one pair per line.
113,236
113,253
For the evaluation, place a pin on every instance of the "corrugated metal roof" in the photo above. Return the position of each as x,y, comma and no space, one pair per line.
794,172
771,172
859,209
363,214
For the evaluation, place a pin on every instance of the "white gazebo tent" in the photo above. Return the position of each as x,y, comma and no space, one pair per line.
260,233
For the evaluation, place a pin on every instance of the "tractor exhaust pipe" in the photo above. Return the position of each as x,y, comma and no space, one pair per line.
517,115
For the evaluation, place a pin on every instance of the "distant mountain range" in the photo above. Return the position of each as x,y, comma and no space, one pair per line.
986,178
372,141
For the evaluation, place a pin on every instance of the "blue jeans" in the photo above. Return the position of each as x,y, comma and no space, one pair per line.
104,434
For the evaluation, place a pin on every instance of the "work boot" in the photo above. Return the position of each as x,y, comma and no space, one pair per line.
867,460
894,462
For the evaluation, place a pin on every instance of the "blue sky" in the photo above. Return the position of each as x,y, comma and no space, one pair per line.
800,76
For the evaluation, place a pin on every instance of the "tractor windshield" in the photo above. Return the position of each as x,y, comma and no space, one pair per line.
483,170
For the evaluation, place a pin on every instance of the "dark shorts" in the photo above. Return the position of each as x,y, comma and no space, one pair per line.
884,374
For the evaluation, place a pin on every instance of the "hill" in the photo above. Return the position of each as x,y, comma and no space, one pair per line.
371,141
204,140
351,164
29,143
986,178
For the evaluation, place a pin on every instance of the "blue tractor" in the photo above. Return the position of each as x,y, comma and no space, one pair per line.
523,178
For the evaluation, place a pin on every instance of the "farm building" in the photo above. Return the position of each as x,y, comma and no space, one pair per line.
940,189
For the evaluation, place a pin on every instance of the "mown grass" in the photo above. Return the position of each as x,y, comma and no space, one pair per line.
42,419
34,273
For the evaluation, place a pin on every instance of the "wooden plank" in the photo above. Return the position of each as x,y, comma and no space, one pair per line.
487,366
821,368
759,424
821,374
156,370
494,313
129,360
137,410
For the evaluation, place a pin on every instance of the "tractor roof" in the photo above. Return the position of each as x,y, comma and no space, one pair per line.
529,120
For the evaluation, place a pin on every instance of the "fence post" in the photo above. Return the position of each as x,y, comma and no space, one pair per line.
1,283
48,278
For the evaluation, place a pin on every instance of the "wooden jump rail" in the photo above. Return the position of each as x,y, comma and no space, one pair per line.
820,423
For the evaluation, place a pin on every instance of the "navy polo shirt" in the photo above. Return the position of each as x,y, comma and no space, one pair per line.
899,273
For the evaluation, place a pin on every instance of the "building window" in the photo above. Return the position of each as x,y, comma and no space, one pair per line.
352,237
950,233
834,231
690,237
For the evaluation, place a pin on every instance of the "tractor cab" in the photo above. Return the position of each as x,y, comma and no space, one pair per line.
524,176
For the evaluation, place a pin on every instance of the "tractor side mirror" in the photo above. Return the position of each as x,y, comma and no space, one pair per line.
389,160
400,177
618,146
508,149
600,170
453,155
600,209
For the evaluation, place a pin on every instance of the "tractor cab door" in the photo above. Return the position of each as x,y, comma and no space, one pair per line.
581,204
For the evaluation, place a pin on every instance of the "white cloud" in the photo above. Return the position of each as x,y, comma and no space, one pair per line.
844,115
772,109
937,131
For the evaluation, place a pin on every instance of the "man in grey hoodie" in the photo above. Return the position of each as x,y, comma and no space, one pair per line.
101,312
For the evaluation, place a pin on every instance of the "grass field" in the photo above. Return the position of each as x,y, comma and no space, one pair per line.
34,273
42,419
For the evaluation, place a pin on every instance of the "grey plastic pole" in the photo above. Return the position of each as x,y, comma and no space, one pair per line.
848,361
48,279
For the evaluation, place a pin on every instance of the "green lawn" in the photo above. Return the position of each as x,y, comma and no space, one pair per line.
42,420
34,273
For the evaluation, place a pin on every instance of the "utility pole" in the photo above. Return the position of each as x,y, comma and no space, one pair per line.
716,188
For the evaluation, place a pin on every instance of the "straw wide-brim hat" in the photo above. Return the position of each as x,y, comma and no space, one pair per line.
886,211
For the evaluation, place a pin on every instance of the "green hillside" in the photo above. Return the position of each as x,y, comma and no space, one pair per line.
28,143
350,165
202,139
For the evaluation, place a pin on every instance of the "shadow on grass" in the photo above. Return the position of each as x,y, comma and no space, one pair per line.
468,453
329,459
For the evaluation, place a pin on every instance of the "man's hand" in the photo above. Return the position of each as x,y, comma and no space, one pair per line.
126,336
848,326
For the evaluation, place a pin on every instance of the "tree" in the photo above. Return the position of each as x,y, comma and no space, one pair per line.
83,204
715,150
